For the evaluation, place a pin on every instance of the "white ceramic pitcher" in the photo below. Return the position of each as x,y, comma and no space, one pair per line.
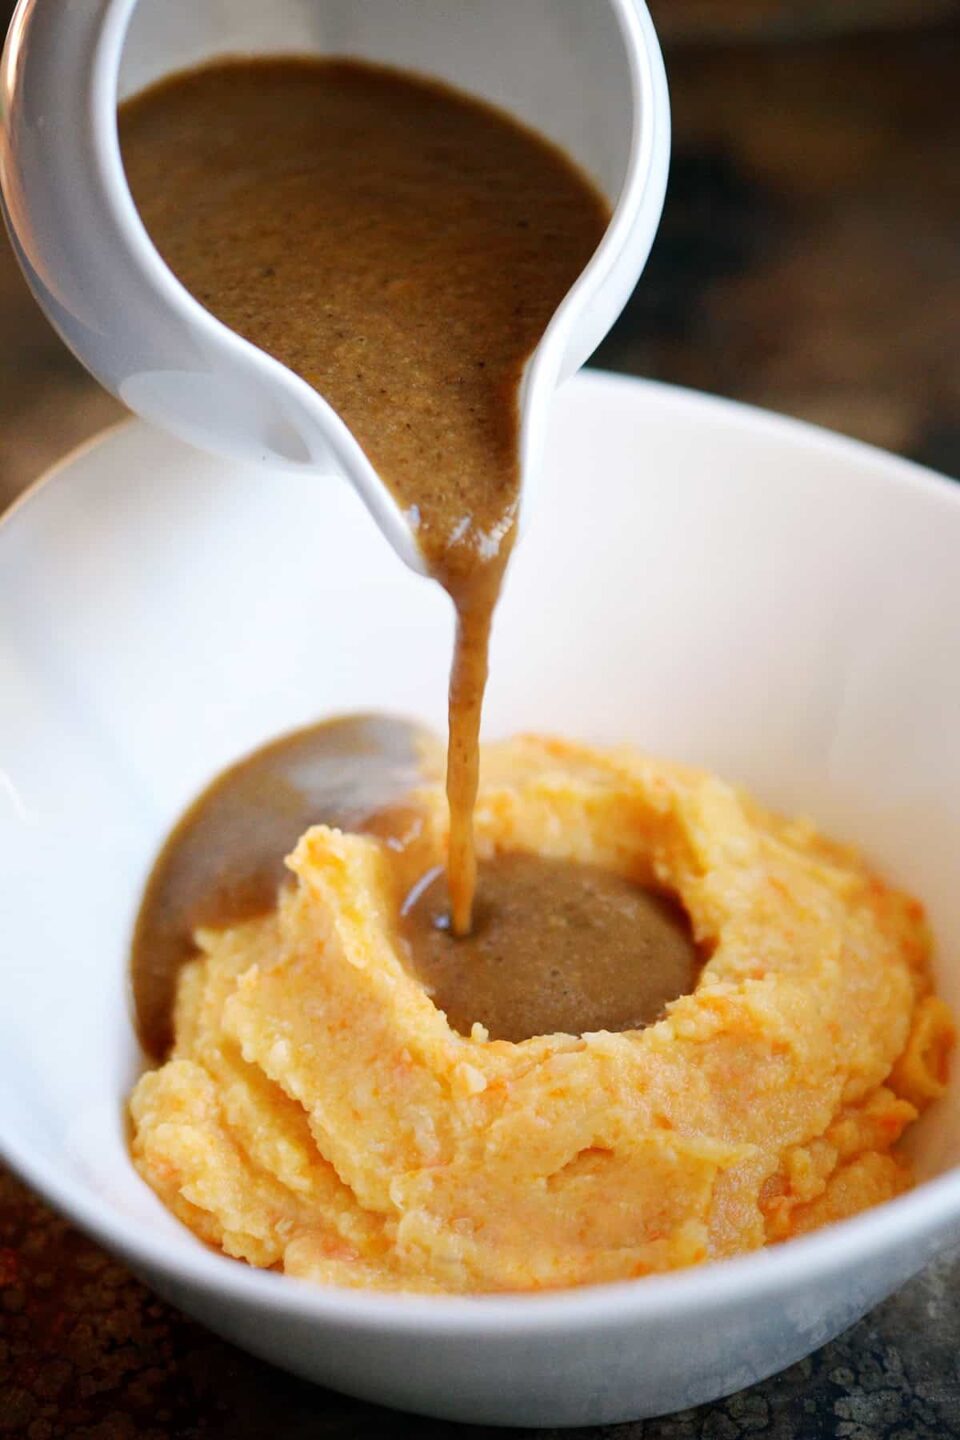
587,73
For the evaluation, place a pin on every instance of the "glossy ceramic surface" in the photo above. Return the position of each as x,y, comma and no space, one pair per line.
744,592
590,77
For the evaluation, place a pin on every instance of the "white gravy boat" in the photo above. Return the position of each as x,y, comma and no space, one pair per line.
587,73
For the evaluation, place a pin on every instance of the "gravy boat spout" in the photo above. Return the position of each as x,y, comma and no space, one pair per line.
591,78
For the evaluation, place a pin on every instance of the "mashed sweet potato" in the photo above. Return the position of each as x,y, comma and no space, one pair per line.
318,1113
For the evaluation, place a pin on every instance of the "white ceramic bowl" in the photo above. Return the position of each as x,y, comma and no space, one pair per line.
704,580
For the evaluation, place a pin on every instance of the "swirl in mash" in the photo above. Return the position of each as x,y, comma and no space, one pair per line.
318,1113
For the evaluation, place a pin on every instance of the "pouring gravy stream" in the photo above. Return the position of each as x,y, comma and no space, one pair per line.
402,247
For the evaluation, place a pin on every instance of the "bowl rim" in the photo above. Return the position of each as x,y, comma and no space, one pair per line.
911,1219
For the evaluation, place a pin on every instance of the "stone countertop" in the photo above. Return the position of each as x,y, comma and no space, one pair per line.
809,260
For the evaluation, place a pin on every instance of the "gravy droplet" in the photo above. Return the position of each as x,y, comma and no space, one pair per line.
224,860
556,946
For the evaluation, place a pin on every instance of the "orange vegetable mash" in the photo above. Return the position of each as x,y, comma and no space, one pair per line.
318,1113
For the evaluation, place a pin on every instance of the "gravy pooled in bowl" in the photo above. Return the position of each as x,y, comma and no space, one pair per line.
223,862
555,945
402,247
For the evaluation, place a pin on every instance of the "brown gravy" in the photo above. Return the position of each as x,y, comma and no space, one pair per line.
402,247
223,862
556,946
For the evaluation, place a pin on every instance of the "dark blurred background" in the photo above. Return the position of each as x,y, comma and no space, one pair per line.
809,256
808,260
